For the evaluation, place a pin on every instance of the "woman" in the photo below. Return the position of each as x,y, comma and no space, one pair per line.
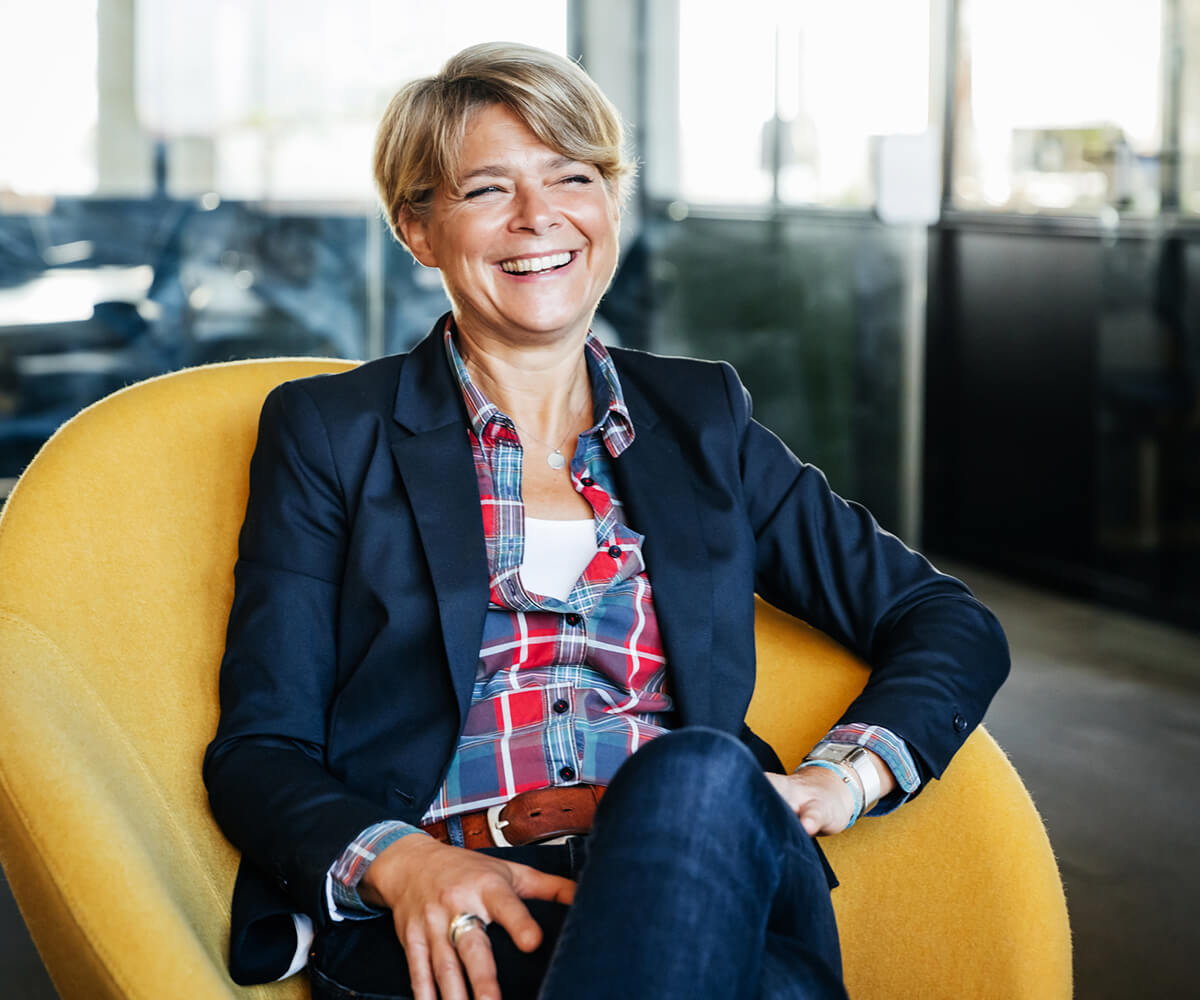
482,583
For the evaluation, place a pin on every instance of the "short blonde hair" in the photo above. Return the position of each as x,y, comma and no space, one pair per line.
419,138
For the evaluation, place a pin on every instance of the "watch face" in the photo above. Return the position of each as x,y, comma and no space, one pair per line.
834,751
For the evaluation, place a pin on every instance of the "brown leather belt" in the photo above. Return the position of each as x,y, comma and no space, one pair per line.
528,818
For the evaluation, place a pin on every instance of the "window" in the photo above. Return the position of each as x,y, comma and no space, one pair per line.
1058,106
187,181
273,100
48,57
251,99
773,102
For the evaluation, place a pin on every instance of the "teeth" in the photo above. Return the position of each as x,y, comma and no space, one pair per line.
531,265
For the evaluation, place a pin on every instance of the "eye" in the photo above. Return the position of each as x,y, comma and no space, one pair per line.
577,179
476,192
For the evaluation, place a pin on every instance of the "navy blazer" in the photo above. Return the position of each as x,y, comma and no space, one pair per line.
362,585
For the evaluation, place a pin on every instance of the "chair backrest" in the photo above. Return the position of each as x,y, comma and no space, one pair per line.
116,557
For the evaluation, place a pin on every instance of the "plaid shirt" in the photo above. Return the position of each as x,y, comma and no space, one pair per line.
566,690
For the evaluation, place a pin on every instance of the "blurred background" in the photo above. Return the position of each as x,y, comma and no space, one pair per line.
948,244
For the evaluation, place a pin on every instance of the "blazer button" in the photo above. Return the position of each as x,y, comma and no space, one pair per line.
960,724
574,619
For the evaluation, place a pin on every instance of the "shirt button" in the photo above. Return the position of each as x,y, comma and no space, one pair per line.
567,773
574,619
588,481
561,706
614,551
960,723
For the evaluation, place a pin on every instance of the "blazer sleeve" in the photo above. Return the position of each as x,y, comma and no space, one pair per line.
268,786
937,654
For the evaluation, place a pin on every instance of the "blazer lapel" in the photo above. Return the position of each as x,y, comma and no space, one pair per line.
660,502
433,455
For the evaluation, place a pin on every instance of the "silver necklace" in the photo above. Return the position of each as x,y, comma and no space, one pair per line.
556,459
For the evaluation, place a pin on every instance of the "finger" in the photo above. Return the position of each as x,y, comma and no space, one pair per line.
822,814
475,953
443,958
811,818
420,971
447,969
506,909
530,883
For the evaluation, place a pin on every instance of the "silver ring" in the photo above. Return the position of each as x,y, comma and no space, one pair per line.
462,923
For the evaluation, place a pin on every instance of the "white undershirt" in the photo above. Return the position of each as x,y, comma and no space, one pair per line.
556,553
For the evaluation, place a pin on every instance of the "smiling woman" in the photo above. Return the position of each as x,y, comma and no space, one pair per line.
525,238
412,729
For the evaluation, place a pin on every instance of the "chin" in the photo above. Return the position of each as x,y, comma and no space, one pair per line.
552,325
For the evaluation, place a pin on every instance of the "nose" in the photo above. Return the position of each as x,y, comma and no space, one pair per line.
534,211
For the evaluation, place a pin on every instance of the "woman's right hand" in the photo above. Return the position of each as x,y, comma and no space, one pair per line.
426,884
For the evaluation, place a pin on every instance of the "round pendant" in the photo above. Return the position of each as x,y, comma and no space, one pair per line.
555,459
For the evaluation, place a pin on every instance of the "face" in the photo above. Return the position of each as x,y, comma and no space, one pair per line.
527,243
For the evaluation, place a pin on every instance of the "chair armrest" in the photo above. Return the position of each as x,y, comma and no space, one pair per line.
956,893
120,874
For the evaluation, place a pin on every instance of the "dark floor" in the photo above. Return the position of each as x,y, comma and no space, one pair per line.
1102,719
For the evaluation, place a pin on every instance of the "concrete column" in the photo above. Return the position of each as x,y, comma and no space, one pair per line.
612,37
124,152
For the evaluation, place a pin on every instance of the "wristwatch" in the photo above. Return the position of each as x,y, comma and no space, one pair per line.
857,759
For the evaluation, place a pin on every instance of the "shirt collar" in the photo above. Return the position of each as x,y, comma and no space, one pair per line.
610,414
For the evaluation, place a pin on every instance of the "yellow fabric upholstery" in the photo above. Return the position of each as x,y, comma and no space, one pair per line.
116,556
957,894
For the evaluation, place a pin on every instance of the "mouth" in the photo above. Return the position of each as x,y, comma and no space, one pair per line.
537,265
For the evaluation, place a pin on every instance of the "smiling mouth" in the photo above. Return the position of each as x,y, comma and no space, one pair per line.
537,265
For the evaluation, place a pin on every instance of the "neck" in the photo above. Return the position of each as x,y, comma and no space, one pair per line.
544,388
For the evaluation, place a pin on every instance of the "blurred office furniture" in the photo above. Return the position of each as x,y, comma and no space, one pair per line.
99,293
116,555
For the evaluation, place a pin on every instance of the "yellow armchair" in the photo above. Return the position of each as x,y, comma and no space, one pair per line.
116,556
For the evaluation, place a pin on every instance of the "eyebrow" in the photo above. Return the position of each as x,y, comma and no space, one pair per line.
498,170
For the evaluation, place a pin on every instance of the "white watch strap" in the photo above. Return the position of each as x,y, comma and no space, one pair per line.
865,768
857,759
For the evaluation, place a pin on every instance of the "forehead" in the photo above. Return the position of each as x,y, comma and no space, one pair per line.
496,137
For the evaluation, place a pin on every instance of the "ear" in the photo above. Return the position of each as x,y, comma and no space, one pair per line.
416,234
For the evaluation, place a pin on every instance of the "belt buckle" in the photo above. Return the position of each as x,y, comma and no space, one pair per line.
495,824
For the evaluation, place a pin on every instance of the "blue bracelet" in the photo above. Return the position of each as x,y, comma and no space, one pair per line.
848,776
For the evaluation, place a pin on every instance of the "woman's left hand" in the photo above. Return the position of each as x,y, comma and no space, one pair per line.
818,797
821,800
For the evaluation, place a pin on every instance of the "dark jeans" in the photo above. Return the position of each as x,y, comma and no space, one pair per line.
696,882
